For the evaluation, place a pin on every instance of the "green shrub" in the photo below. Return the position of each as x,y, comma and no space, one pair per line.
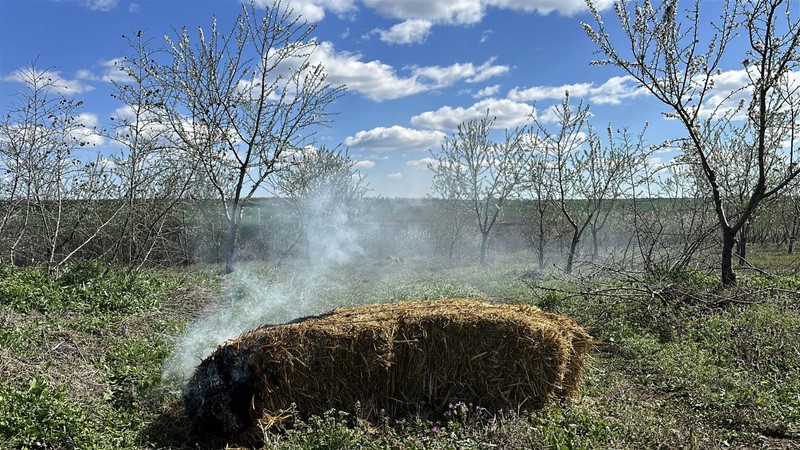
86,287
40,417
784,282
28,289
686,275
91,287
132,369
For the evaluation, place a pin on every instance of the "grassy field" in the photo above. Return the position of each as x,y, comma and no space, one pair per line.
679,363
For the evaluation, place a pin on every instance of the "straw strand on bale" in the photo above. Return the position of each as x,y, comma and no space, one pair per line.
407,358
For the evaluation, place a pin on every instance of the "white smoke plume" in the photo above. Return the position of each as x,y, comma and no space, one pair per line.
249,300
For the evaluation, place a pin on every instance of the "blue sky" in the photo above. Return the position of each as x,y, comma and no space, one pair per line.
414,69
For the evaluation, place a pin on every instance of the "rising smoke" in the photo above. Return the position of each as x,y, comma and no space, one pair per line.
332,233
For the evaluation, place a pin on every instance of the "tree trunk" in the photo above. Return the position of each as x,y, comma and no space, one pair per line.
230,243
573,248
484,245
728,242
741,246
541,254
540,244
792,235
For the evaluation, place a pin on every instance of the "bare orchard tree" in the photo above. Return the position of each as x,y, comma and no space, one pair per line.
737,167
560,145
325,192
448,221
671,223
786,215
154,174
612,174
588,175
242,101
480,173
664,51
540,187
49,184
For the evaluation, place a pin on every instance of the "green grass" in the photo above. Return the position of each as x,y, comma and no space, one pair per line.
81,355
81,359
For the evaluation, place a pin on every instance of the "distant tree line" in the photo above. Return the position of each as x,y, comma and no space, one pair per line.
736,158
209,121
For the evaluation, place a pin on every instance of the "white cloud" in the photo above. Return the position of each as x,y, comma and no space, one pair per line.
364,164
100,5
134,8
537,93
487,70
112,72
488,91
612,92
373,79
469,12
563,7
616,89
378,81
447,76
84,74
407,32
395,176
466,12
124,113
313,10
394,138
87,120
727,93
460,12
420,165
508,113
49,79
732,87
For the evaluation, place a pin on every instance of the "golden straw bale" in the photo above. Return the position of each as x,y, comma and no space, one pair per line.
406,358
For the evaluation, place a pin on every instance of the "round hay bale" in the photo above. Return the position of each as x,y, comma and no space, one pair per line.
405,358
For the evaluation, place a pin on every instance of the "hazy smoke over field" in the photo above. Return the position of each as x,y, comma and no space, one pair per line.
249,301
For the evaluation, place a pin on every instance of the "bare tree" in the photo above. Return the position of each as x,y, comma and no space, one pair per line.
448,219
562,145
586,175
786,216
242,101
540,187
612,174
153,172
479,173
671,219
50,186
664,52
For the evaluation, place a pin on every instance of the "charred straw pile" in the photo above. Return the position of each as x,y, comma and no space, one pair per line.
405,358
